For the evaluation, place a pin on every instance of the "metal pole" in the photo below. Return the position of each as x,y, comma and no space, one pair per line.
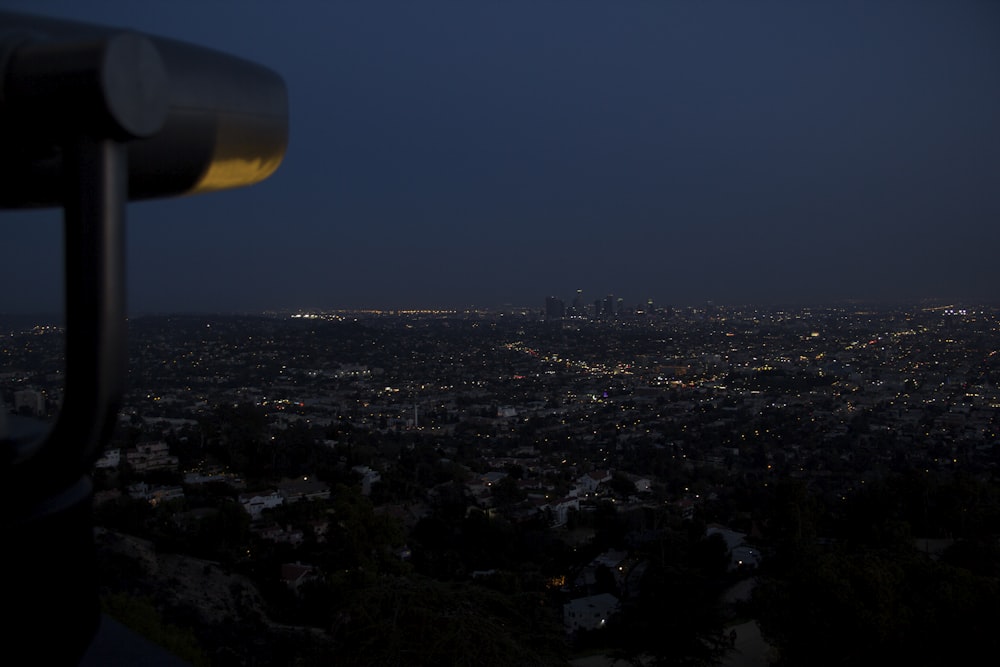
52,580
96,183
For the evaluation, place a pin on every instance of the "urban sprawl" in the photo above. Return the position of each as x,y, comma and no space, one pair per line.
545,416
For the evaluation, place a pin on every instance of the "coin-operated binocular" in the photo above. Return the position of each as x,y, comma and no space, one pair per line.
92,117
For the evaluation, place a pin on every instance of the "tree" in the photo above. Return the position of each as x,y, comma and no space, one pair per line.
869,606
141,615
677,617
676,620
506,493
895,604
621,485
415,621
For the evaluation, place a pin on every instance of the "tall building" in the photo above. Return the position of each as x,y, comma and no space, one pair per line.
576,308
555,308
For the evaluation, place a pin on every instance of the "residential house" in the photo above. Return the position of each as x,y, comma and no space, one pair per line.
151,456
368,477
295,574
111,458
255,503
589,613
303,488
741,555
588,483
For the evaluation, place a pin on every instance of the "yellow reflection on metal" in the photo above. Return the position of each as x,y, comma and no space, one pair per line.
247,150
235,173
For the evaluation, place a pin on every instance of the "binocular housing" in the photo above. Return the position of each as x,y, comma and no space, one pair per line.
194,119
92,117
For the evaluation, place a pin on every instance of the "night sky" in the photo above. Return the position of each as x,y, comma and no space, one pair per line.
477,154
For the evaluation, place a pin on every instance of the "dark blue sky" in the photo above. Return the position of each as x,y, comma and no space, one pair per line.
453,154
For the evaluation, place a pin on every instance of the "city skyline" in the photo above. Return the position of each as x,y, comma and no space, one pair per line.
453,156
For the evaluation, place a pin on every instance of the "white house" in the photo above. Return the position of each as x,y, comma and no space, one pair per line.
303,488
369,476
111,458
560,509
589,613
589,482
255,503
150,456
